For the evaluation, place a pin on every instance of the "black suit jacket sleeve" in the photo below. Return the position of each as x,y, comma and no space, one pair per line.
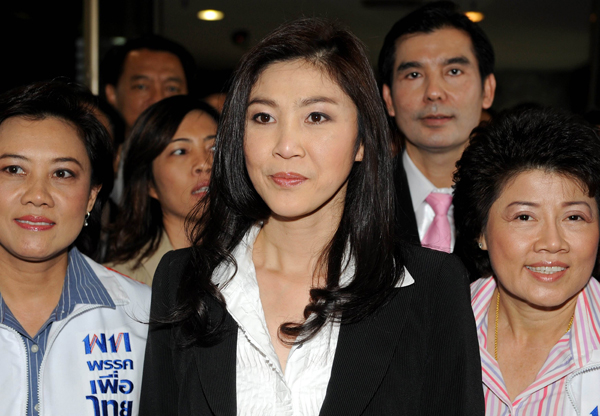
159,384
184,381
452,377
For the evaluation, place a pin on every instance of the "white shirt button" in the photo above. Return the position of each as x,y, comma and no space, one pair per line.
37,407
35,348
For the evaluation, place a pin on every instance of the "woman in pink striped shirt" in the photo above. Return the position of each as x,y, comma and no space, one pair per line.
526,207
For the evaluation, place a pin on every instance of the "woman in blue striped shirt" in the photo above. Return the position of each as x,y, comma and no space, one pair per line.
71,333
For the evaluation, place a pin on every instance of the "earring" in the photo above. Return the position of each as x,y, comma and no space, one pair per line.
481,246
87,215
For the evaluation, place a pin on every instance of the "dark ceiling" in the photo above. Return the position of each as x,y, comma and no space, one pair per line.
527,34
542,46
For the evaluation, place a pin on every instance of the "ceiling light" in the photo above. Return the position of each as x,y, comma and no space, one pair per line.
475,16
210,15
118,40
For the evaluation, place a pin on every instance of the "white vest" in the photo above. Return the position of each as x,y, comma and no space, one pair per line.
93,361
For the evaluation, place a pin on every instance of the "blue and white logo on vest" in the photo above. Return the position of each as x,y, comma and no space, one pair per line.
109,361
100,341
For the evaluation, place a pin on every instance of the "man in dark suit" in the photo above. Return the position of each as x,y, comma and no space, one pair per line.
436,70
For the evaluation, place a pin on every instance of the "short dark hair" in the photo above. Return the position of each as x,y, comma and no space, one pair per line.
111,67
512,143
427,19
367,224
138,229
75,105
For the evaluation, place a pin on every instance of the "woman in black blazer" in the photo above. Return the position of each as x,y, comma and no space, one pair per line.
297,297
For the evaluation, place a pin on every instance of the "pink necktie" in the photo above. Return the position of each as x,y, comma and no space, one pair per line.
438,235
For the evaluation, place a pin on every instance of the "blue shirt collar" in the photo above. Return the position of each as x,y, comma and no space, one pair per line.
81,286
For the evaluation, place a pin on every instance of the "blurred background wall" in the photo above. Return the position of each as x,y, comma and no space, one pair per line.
546,50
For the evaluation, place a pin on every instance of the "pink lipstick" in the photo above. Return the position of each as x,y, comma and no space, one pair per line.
288,179
34,223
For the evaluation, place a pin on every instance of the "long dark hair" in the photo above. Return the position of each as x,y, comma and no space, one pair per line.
138,229
366,227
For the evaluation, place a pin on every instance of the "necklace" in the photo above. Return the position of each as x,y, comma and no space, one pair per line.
496,328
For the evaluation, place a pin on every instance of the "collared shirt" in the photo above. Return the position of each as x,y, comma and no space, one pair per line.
81,286
547,394
420,187
263,389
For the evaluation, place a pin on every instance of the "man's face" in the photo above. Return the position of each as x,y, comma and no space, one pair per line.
148,76
436,95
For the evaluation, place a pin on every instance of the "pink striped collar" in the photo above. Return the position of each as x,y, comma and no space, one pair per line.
573,351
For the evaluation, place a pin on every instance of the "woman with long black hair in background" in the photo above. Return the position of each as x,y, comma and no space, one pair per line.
166,169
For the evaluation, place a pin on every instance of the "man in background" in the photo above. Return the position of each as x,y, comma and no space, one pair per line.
143,71
436,70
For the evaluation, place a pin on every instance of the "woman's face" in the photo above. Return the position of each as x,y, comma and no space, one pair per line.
542,237
182,171
300,142
45,183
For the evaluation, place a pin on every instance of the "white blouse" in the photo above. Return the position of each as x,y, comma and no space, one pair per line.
262,387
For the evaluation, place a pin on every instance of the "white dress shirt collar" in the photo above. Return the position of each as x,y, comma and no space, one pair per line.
420,187
243,256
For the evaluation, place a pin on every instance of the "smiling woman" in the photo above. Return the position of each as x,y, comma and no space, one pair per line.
321,129
167,168
297,297
35,153
526,207
55,160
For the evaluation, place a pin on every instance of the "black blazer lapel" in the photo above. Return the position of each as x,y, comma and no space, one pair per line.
217,373
363,355
406,219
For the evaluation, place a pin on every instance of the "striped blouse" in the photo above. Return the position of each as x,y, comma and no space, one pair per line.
81,286
547,395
